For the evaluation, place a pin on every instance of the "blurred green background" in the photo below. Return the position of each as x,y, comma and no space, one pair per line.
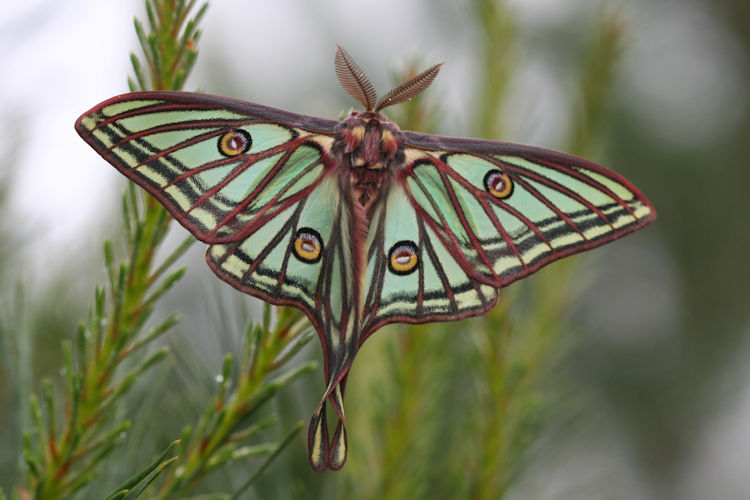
642,391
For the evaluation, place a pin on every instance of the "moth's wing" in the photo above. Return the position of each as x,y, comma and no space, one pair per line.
257,185
272,263
170,143
554,205
500,211
437,283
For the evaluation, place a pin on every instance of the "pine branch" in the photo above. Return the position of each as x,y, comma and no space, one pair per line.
63,455
217,437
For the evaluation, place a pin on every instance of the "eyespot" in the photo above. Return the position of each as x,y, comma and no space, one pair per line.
498,184
235,142
403,258
308,246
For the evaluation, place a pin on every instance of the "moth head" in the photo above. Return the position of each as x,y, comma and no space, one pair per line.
357,85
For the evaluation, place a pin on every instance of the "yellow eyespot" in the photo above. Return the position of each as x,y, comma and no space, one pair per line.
498,184
308,246
403,258
235,142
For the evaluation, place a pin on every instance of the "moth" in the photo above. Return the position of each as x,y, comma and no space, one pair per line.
356,222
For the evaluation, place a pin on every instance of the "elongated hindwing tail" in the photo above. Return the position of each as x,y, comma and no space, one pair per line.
302,257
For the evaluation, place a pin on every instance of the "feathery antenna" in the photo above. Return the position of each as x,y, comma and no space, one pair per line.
354,80
410,88
357,85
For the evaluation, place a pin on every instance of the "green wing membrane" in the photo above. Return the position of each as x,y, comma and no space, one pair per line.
170,145
444,285
555,208
483,214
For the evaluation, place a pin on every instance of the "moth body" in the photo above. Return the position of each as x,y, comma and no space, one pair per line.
368,147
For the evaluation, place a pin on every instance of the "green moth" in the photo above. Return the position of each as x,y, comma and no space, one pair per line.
356,222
